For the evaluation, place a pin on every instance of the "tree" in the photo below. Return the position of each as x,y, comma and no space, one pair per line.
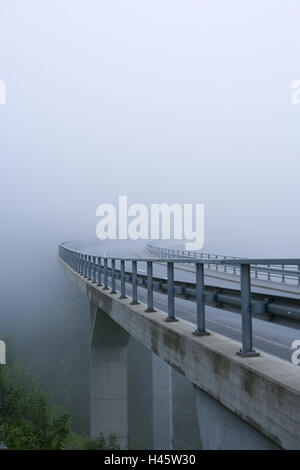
28,419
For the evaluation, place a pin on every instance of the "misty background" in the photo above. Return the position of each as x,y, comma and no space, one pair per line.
162,101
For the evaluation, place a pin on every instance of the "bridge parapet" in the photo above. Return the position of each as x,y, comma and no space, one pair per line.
96,268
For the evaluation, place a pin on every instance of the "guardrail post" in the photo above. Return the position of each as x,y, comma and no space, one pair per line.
75,261
299,274
113,276
105,275
89,268
200,300
94,269
150,287
234,268
99,271
85,266
90,275
122,296
247,347
171,304
134,284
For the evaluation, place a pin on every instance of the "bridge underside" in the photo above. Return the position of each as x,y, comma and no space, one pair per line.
148,405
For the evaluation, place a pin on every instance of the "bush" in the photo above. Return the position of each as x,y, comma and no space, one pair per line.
82,442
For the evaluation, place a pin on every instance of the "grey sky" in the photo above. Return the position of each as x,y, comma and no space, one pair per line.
165,101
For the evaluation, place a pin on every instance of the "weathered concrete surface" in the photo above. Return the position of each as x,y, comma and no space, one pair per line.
221,429
264,391
108,376
140,396
162,404
185,420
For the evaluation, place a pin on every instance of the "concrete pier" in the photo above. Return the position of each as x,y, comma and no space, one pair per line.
140,396
185,421
162,404
108,375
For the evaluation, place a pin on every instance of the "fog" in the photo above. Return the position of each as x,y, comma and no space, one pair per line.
162,101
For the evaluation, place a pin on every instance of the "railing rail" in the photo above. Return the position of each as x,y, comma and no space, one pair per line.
94,268
271,272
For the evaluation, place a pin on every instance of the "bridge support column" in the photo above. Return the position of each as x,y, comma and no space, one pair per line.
140,396
108,376
162,404
185,423
149,399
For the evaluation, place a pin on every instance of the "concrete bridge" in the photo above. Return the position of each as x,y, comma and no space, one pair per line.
160,383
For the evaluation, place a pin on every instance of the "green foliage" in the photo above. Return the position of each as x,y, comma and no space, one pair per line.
101,443
82,442
28,419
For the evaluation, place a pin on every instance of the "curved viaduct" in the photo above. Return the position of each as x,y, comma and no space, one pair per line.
160,383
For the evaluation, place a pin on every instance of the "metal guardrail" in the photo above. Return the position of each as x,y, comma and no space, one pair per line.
270,273
96,269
